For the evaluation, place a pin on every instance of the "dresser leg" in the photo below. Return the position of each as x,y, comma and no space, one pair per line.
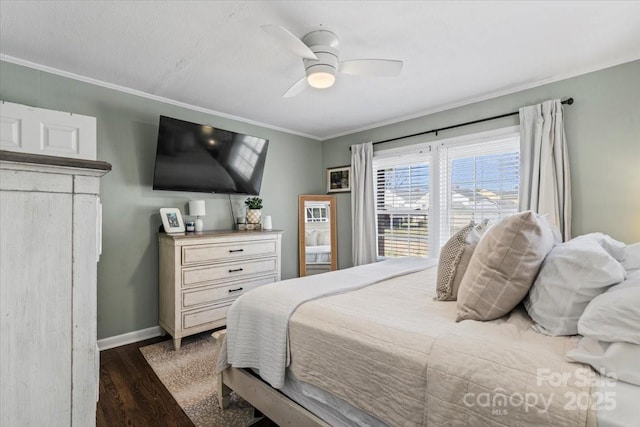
176,343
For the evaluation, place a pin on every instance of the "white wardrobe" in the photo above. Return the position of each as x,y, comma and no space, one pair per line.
49,246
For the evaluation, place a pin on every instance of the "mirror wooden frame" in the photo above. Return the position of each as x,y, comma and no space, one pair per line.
302,199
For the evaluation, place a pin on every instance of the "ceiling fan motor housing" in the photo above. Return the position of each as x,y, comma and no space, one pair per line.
321,72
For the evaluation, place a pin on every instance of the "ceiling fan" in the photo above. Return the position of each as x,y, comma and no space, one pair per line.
319,53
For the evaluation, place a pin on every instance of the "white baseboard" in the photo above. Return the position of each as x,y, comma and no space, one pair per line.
130,337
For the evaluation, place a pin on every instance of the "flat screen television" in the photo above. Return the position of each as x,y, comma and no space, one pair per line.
201,158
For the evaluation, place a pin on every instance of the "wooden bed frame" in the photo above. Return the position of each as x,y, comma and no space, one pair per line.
275,405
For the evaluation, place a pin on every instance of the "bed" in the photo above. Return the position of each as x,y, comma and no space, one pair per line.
382,352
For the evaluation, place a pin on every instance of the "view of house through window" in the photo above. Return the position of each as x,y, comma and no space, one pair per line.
473,179
402,205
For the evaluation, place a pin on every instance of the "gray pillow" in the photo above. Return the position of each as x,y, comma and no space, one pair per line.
503,266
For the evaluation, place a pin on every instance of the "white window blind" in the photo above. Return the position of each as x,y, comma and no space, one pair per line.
474,177
402,204
478,181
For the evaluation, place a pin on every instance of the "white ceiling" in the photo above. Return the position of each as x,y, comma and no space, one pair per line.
214,55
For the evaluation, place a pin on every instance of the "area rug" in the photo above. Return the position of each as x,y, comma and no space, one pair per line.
189,375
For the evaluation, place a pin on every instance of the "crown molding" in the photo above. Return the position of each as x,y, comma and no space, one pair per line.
112,86
460,103
488,95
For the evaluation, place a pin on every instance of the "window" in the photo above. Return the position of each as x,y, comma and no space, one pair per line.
475,177
478,181
402,205
317,213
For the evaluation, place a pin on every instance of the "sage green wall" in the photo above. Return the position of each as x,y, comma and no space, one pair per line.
127,132
602,127
603,134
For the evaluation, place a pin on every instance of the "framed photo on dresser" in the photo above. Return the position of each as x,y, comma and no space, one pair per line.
172,220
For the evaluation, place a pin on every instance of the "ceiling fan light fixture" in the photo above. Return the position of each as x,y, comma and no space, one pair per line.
321,76
321,79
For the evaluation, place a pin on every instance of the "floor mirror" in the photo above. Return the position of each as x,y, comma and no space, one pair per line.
317,236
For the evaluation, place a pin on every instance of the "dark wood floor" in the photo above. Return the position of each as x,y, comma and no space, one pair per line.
132,395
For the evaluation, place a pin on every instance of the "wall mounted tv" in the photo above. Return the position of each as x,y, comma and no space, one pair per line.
201,158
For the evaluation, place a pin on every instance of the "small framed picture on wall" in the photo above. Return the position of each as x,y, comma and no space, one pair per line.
172,220
339,179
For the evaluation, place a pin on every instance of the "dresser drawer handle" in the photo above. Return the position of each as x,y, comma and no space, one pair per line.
236,250
235,290
236,270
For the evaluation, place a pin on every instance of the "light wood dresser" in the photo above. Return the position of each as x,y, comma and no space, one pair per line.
202,273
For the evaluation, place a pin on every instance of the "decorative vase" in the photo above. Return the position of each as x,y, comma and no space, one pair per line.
253,216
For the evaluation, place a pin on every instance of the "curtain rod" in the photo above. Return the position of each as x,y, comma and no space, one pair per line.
567,101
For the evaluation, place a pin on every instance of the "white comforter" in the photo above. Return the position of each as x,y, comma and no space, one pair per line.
257,323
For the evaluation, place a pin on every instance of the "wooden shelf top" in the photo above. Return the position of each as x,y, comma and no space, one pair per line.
39,159
215,233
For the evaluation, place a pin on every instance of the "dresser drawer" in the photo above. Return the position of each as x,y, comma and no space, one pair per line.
227,251
215,293
195,275
196,318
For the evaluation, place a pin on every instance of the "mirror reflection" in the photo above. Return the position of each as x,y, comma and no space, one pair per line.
317,234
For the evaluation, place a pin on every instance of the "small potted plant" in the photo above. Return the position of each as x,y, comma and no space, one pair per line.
254,212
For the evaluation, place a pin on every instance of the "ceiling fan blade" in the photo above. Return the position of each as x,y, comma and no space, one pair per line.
288,39
371,67
296,88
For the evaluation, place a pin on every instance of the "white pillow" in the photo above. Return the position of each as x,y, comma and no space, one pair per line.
618,359
311,238
631,259
615,314
324,238
572,274
613,247
627,255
